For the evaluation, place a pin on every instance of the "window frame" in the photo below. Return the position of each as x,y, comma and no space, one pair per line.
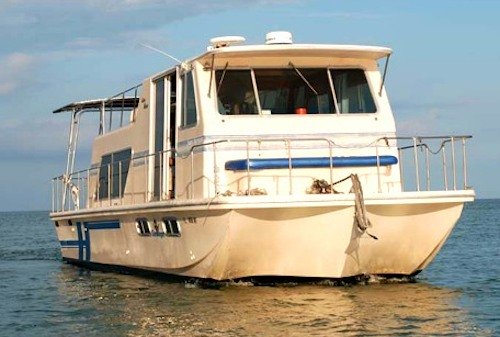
183,105
370,88
108,180
330,80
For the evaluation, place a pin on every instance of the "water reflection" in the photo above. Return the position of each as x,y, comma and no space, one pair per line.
113,304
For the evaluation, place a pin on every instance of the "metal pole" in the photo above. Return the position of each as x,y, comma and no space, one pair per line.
289,151
415,159
120,182
464,165
160,175
110,182
102,119
331,164
110,117
192,173
248,165
216,171
428,169
123,108
453,163
88,195
401,169
78,191
379,184
52,190
385,73
445,168
57,194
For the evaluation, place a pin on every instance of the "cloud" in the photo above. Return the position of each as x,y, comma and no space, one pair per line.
21,19
341,15
16,69
41,139
59,24
86,42
426,123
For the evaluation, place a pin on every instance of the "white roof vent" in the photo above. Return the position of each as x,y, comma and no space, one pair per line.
279,38
225,41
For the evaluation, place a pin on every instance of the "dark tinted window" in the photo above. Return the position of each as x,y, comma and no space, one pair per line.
104,175
352,91
290,91
189,103
114,166
235,92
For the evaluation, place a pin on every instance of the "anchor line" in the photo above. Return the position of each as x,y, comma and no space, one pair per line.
360,217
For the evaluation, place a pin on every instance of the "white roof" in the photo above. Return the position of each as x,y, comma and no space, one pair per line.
329,50
333,50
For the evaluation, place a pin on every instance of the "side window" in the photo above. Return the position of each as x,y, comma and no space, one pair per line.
104,175
120,167
352,91
188,113
114,166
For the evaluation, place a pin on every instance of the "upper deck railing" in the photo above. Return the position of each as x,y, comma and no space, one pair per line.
425,163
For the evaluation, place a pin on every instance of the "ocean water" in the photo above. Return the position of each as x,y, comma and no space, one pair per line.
458,295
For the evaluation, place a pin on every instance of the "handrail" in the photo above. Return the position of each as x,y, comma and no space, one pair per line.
425,150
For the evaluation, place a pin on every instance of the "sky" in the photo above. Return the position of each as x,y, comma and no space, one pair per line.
444,75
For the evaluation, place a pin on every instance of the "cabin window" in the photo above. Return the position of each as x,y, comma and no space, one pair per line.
188,114
352,91
114,166
293,91
290,91
159,132
235,92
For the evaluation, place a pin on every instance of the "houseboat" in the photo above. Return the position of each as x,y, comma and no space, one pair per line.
271,160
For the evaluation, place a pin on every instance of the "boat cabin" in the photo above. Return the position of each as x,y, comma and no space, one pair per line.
240,120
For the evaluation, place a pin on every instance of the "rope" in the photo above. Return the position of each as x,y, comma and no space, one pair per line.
341,180
360,217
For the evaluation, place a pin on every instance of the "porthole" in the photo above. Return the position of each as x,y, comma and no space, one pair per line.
163,227
142,227
172,226
175,228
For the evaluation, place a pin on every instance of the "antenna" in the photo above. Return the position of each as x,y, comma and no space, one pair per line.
161,52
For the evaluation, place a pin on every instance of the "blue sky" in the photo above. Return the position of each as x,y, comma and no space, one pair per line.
443,78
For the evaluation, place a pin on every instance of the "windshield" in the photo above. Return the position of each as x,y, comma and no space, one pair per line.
293,91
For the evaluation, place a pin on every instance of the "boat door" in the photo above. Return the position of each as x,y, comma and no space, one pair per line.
164,137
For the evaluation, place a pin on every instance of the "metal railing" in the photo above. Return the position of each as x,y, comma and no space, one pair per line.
433,151
125,181
122,104
433,164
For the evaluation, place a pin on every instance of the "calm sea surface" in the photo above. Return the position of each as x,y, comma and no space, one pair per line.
458,295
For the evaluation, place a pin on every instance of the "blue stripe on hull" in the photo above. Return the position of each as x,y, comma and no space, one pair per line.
86,242
69,243
83,234
102,225
80,240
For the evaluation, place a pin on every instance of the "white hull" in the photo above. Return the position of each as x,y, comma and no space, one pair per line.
232,238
